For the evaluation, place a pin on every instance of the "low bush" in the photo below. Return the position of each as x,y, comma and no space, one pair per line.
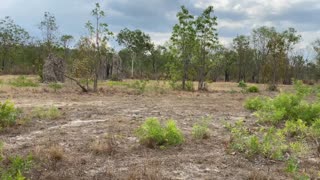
200,129
255,104
8,114
22,81
295,128
152,133
46,113
139,85
178,86
252,89
242,84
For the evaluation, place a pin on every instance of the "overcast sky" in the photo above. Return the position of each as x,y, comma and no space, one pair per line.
156,17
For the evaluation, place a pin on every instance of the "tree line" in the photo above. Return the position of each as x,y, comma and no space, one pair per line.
193,52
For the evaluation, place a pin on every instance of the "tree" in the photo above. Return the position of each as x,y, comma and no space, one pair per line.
183,39
49,28
66,39
241,45
137,42
207,37
12,36
101,34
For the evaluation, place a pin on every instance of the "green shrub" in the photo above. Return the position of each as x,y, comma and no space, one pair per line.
242,84
152,133
55,86
301,89
315,128
139,85
22,81
178,86
46,113
173,135
272,87
200,129
189,86
295,128
273,144
255,104
252,89
8,114
15,168
292,165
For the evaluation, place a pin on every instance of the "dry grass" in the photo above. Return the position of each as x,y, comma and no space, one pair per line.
56,153
106,146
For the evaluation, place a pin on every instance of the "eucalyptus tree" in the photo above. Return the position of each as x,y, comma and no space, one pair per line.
66,40
241,45
12,36
207,37
49,29
137,42
183,39
100,32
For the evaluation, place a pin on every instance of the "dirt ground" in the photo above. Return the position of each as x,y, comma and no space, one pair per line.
89,119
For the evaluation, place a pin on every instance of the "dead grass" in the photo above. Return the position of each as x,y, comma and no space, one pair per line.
105,146
55,153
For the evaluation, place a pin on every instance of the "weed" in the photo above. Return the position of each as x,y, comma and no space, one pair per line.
315,128
8,114
22,81
242,84
55,86
105,146
255,104
139,85
292,165
252,89
46,113
295,128
55,153
15,168
152,133
178,86
200,129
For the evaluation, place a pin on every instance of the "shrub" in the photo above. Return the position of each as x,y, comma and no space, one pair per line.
272,87
189,86
55,86
22,81
255,104
242,84
292,165
253,89
173,135
200,130
8,114
49,113
152,133
315,128
15,168
178,86
295,128
139,85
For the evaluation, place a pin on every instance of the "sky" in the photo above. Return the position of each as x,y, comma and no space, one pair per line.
157,17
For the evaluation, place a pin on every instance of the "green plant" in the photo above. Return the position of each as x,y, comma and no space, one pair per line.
252,89
189,86
8,114
242,84
255,104
22,81
15,168
200,129
55,86
152,133
173,134
315,128
272,87
178,86
295,128
292,165
46,113
139,85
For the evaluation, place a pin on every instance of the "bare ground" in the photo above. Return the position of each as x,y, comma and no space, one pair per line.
62,148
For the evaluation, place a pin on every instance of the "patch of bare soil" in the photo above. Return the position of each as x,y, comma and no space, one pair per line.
95,137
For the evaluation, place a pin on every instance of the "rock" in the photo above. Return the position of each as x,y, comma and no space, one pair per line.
53,69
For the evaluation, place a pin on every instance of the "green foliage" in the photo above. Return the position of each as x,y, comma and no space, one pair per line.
139,85
242,84
301,89
252,89
55,86
14,169
117,83
200,129
255,104
178,86
152,133
315,128
295,128
46,113
22,81
292,165
8,114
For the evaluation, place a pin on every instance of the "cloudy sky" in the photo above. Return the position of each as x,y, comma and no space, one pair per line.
156,17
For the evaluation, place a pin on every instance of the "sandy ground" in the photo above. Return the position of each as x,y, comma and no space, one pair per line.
90,118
